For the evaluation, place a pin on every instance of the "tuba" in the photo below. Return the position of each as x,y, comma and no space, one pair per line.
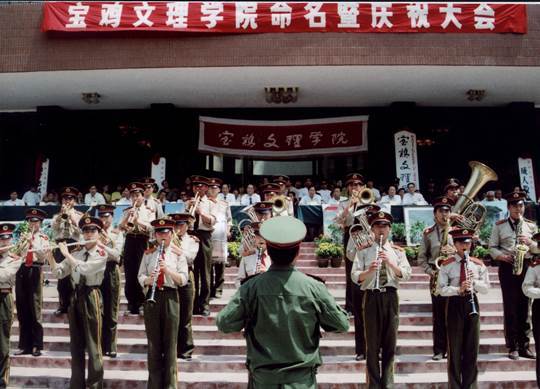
280,205
248,235
473,212
361,236
520,250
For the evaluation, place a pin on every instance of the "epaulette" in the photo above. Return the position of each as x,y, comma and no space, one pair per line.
448,261
429,230
535,262
316,278
500,222
101,252
529,221
478,261
44,236
249,278
399,248
150,250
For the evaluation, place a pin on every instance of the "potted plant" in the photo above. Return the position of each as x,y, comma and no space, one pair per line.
398,232
234,255
411,252
327,252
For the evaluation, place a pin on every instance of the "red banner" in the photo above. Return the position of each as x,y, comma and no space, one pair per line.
255,17
282,139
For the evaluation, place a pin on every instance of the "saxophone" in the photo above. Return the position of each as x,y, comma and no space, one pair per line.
520,250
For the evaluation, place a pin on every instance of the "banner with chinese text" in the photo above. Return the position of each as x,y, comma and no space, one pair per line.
283,138
266,17
526,177
406,158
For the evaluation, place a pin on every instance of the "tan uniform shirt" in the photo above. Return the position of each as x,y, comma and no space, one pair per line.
8,268
209,209
189,247
115,247
449,277
144,214
175,261
40,243
64,228
90,263
503,238
531,283
155,206
430,247
248,267
364,258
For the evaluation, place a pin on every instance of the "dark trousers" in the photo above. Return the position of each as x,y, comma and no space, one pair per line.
185,332
359,336
536,334
134,248
381,320
64,285
438,310
217,279
85,323
348,281
110,290
463,342
29,291
202,270
517,326
6,319
161,324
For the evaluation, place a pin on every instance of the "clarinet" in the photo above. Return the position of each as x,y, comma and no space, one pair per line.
258,263
378,271
473,312
151,299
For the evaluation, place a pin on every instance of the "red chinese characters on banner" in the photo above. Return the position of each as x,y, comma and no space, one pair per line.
283,138
261,17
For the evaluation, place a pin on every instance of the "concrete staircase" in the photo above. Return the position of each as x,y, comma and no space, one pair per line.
219,359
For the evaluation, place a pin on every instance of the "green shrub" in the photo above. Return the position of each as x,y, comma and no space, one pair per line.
398,232
329,250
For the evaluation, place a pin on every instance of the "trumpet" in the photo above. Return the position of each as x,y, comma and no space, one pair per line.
280,206
131,221
361,197
152,299
520,250
197,199
49,246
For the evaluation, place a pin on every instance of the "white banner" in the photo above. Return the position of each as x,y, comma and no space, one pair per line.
526,177
406,158
158,172
43,179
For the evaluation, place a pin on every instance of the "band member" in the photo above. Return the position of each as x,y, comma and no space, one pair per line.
378,269
256,262
9,265
460,278
150,201
220,234
136,222
271,192
189,245
203,262
112,241
282,309
345,218
451,190
531,289
283,182
505,236
29,287
86,267
163,269
437,243
65,229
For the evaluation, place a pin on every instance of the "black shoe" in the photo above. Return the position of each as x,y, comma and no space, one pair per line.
185,357
112,354
60,311
205,312
23,352
36,352
437,357
218,295
526,353
360,357
513,354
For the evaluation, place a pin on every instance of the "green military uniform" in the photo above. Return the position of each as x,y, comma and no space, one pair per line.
110,287
380,306
430,250
531,289
8,268
85,311
161,317
462,326
29,290
517,328
281,312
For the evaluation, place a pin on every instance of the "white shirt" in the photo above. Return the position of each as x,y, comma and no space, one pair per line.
376,193
13,202
387,201
306,200
31,198
413,199
97,199
325,195
255,198
333,201
302,192
229,198
123,201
